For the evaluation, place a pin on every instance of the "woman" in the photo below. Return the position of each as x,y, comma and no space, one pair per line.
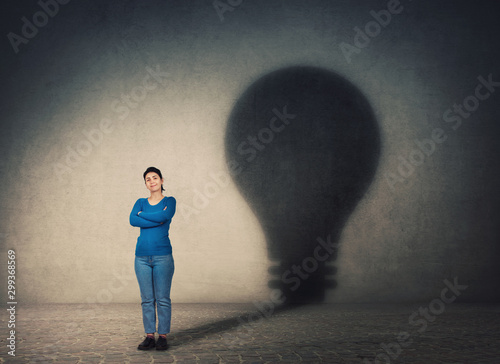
154,265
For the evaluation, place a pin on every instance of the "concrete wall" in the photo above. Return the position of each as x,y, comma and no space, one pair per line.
96,92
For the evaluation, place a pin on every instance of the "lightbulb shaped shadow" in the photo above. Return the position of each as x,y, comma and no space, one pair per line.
302,145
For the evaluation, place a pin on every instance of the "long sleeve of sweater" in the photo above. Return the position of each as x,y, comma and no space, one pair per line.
139,221
163,215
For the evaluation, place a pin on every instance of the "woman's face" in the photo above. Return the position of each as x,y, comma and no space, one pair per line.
153,182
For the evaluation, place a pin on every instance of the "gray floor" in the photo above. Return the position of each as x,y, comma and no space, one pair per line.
211,333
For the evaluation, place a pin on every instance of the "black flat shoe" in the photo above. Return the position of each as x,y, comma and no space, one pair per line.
161,344
148,343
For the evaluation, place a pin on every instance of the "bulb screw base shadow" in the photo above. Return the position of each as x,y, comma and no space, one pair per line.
302,283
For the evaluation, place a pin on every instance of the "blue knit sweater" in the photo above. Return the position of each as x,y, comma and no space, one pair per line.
154,221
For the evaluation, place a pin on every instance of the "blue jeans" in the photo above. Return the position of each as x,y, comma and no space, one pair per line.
154,274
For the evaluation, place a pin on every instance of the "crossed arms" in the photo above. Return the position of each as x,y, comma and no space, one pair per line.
152,219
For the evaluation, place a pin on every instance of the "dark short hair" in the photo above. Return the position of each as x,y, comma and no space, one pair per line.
155,170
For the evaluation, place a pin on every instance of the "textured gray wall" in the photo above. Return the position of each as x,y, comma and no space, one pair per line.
100,90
